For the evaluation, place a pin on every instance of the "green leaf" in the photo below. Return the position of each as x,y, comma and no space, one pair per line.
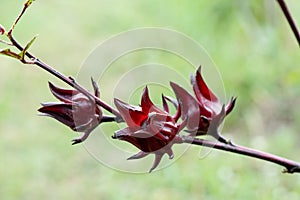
22,54
9,53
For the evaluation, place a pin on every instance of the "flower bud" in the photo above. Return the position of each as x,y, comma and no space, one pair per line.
75,110
203,113
2,30
150,129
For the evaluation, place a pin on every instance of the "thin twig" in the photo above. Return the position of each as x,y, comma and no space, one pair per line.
290,20
69,80
290,166
6,43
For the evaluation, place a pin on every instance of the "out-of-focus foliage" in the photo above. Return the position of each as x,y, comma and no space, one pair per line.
256,54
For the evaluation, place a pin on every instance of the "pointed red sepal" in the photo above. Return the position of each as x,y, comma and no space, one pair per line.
62,94
158,157
157,160
132,115
201,89
165,104
213,129
176,105
126,134
190,108
188,104
173,101
83,137
146,104
230,105
60,112
170,153
139,155
95,87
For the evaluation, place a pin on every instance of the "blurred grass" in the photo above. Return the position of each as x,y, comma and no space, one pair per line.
257,56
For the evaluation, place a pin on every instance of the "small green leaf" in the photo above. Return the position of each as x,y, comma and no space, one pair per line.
30,43
9,53
22,54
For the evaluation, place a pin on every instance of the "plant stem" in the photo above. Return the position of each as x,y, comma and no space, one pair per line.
290,20
68,80
291,166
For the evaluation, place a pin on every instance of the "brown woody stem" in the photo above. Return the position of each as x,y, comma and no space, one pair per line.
290,20
290,166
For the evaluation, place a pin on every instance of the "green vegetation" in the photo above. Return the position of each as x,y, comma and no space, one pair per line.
256,54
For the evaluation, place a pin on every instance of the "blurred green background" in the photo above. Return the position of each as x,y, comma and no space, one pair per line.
256,54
